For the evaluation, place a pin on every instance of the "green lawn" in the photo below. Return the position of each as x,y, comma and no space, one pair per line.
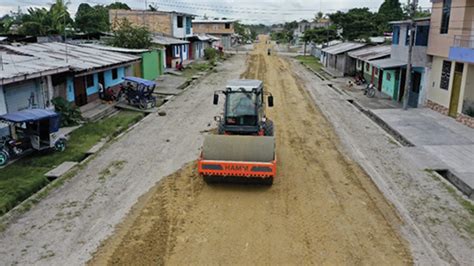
310,61
23,178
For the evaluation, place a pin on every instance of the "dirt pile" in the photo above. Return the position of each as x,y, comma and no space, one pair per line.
322,208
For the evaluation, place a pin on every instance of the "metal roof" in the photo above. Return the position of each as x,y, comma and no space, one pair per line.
371,53
114,49
15,67
343,47
77,57
165,40
409,21
387,63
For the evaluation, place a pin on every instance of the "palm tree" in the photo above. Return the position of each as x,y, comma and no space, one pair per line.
37,22
59,16
318,16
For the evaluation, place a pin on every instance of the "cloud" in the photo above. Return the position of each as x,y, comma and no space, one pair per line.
249,11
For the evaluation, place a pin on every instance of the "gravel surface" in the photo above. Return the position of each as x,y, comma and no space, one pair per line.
322,209
437,226
69,224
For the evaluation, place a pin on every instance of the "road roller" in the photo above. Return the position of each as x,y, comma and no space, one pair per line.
243,151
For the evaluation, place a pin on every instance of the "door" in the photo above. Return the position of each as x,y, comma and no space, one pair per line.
379,86
102,79
415,90
22,95
80,95
456,90
401,89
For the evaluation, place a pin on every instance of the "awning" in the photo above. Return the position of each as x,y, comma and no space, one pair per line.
28,115
387,63
140,81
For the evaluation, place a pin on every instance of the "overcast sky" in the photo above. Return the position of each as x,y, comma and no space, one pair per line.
249,11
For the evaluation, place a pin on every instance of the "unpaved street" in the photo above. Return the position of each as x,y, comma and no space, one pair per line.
322,208
69,224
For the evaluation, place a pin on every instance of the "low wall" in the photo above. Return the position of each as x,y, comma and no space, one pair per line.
465,119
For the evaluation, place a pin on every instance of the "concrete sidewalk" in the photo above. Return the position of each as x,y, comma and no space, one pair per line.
445,143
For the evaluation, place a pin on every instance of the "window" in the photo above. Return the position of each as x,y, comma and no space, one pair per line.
89,81
376,71
389,76
446,13
227,25
396,35
180,21
367,67
114,73
422,35
445,75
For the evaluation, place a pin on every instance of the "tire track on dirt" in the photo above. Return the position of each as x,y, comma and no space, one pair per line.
322,208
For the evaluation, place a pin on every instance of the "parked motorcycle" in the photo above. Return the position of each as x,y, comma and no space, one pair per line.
370,90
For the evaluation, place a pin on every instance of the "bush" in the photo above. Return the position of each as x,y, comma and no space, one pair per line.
70,115
210,54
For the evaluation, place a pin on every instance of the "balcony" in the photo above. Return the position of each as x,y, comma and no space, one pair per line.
462,49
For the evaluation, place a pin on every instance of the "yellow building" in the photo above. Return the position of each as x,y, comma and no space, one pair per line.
451,43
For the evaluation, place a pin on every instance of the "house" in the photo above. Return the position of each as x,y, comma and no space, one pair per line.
170,29
168,23
149,67
305,25
451,44
200,42
336,60
393,69
176,51
87,68
221,28
26,82
362,59
316,48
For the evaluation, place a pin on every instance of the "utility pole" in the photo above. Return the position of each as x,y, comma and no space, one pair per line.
411,29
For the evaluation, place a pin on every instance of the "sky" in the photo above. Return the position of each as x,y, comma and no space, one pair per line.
248,11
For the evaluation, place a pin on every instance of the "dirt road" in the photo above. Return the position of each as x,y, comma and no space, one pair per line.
322,208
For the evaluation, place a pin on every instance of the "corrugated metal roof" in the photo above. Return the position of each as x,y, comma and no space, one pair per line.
408,21
19,67
165,40
78,57
371,53
387,63
114,49
343,47
331,43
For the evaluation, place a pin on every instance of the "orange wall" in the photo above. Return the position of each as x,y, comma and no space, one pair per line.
216,28
460,23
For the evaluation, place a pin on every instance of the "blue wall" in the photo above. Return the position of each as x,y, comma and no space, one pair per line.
95,88
461,54
109,81
70,89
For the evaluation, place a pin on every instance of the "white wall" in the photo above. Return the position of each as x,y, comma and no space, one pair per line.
435,93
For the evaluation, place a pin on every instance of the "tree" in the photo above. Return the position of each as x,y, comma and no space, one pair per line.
357,23
390,10
128,36
60,17
92,19
320,35
6,23
318,17
118,5
36,22
40,21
